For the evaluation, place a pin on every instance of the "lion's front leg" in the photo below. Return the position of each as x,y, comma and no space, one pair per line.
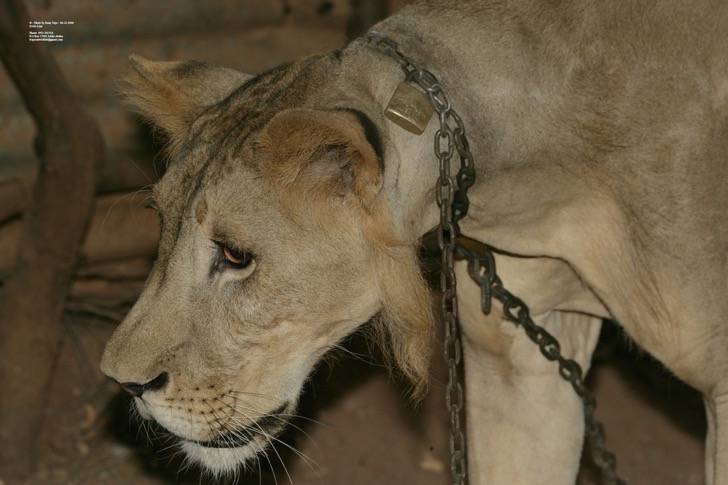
716,442
525,423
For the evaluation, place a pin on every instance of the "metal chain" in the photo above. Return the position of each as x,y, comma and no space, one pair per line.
453,203
482,270
447,232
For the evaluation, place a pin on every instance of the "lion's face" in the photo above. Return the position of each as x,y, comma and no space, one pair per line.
242,302
273,249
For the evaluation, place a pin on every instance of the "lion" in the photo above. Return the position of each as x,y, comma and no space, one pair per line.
292,210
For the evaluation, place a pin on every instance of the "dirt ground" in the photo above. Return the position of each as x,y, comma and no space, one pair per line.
356,427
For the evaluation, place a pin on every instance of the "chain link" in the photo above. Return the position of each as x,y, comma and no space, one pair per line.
447,140
452,199
482,270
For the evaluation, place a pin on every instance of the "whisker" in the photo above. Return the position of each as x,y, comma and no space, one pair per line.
145,428
186,464
238,433
277,416
255,394
260,472
286,422
226,428
309,461
355,355
127,198
236,476
297,416
265,435
305,418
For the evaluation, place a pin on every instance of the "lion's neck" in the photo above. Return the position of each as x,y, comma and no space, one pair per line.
411,169
507,98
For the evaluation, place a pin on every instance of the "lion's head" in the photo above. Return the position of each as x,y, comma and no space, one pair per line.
276,243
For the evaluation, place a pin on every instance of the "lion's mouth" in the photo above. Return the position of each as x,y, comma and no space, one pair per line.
264,427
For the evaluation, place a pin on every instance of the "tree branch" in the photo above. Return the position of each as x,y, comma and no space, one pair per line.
69,148
12,199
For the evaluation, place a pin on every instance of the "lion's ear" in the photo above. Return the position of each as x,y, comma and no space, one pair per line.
331,151
173,94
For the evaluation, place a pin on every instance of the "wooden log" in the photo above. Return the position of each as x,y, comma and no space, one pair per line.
120,228
94,21
93,69
70,147
365,13
130,268
124,172
108,289
126,140
105,292
13,198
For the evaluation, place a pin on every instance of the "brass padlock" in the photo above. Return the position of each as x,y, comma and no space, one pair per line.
410,108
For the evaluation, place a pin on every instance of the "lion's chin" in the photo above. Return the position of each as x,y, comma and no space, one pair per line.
225,453
220,461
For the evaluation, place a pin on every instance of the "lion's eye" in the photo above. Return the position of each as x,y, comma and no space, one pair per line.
235,258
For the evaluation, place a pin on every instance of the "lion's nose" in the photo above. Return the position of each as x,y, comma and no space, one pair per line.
137,390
